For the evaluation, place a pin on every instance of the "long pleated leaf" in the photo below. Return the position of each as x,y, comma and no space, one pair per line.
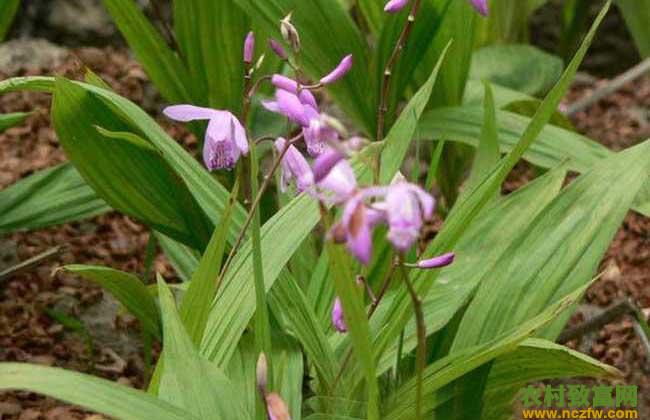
10,120
101,395
49,197
123,168
542,360
128,289
8,9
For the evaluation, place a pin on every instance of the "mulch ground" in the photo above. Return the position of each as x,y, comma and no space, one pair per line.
29,334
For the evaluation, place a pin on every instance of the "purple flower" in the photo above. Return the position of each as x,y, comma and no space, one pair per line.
318,133
249,47
278,49
290,85
325,163
437,262
294,166
225,137
339,184
341,70
394,6
337,317
406,206
481,6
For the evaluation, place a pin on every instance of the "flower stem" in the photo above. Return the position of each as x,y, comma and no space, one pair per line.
421,351
388,71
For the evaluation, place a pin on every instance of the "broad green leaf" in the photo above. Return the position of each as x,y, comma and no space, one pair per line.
289,303
209,193
439,377
637,18
49,197
211,37
508,21
8,9
323,48
373,13
399,137
188,380
465,211
101,395
534,360
478,250
559,252
10,120
128,289
161,64
523,68
553,145
203,285
487,153
133,178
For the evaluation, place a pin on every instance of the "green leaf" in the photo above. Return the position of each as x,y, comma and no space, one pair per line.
373,13
487,153
478,249
130,176
211,37
49,197
289,303
13,119
542,360
559,252
323,48
638,22
93,393
399,137
188,380
198,297
210,194
439,377
161,64
523,68
8,10
182,258
465,211
127,289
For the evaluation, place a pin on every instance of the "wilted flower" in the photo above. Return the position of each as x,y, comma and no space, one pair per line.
290,33
406,206
225,137
437,262
249,47
337,317
341,70
394,6
278,49
294,166
481,6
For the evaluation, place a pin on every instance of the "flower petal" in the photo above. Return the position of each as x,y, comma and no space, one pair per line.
189,112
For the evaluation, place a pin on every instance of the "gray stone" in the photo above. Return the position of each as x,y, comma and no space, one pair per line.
22,54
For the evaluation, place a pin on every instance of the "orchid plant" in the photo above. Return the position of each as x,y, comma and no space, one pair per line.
318,289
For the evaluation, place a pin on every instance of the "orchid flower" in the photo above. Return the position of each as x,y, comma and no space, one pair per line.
339,184
294,166
225,138
406,206
338,320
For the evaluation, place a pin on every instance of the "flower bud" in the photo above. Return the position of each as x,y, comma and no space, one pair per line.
278,49
290,33
262,373
437,262
276,408
481,6
394,6
337,317
249,47
341,70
